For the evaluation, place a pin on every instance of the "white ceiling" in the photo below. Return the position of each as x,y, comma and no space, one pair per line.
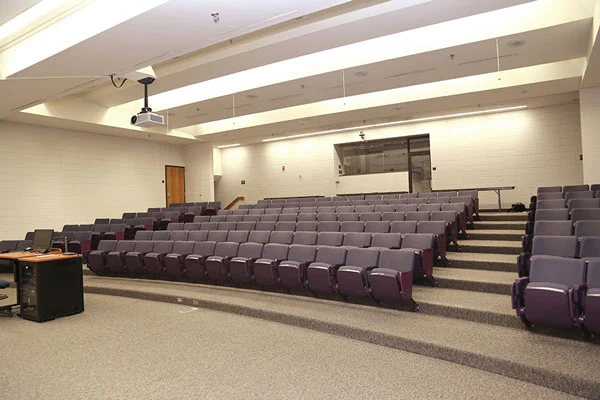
185,47
11,8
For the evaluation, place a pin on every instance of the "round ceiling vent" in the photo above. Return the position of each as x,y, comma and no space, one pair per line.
361,73
516,43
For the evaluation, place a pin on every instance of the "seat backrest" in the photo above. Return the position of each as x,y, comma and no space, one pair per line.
461,199
579,195
439,200
347,217
408,195
546,189
129,215
261,237
179,235
183,247
143,246
283,237
418,216
161,235
204,249
202,218
575,188
565,271
250,250
251,218
156,214
102,221
325,209
553,228
125,245
550,196
372,197
331,255
387,240
307,210
235,218
458,207
578,214
191,226
274,217
593,274
101,228
105,245
143,235
377,226
308,226
240,211
357,257
407,208
209,226
393,216
384,208
418,241
198,236
429,207
330,238
556,214
226,249
357,239
287,226
256,211
397,202
427,194
175,226
302,253
583,203
245,226
218,218
265,226
290,210
85,227
435,227
328,226
352,226
70,228
163,246
402,260
344,209
309,238
272,211
369,216
217,236
84,235
364,208
226,226
391,196
472,193
587,228
403,227
561,246
287,217
420,200
275,251
307,216
238,236
589,246
446,216
326,217
548,204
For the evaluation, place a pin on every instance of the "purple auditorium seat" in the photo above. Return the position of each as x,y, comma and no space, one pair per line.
430,207
352,226
558,214
575,188
545,297
209,226
321,274
115,231
281,237
325,210
218,218
238,236
307,210
81,243
343,217
306,226
261,237
289,210
129,215
154,260
116,221
240,211
550,204
217,265
198,236
591,319
383,208
234,218
422,200
153,209
393,216
546,189
308,238
272,211
265,268
378,202
352,276
546,228
377,226
450,218
439,200
115,260
245,207
583,203
587,228
217,236
227,226
390,196
241,267
97,234
174,261
161,235
458,208
145,223
386,240
422,245
407,208
559,246
356,197
447,194
474,196
589,247
201,219
330,238
580,214
251,218
364,209
142,215
292,271
409,195
403,227
595,188
287,218
307,216
549,196
427,194
23,244
179,236
265,226
29,235
269,218
344,210
256,211
437,228
392,280
195,268
326,217
191,226
102,221
134,260
328,226
224,213
58,241
369,216
175,226
418,216
578,195
97,258
70,228
398,202
468,205
357,239
143,235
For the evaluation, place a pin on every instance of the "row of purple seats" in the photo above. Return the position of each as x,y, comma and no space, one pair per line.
77,242
561,214
559,246
560,292
567,188
587,202
587,194
356,203
561,228
343,209
383,274
10,246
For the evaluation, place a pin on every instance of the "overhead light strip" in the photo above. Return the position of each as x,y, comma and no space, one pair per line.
228,145
408,121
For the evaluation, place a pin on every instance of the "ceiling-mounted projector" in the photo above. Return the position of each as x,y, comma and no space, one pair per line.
146,118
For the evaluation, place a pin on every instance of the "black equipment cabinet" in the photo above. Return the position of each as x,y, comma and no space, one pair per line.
50,288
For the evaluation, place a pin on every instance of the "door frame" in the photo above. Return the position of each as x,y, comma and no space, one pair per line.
166,180
416,153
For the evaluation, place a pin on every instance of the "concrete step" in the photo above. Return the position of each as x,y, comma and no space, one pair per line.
494,234
483,261
504,216
566,365
507,225
497,282
491,246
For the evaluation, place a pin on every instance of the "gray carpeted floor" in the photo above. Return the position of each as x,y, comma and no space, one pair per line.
122,348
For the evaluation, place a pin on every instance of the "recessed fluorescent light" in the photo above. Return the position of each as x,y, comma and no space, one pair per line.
408,121
28,16
228,145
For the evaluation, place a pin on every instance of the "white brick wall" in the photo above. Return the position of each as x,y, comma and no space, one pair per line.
51,177
199,181
590,133
527,149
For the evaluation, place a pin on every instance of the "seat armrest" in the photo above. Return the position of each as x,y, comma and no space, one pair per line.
523,260
578,293
517,293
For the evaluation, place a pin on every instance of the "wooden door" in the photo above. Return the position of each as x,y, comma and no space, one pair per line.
174,184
